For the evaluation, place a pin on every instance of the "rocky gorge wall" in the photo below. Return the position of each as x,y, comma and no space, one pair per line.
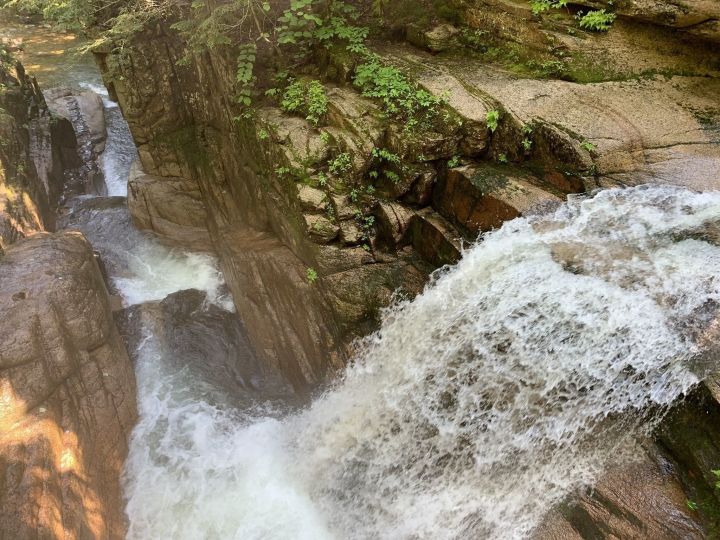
312,248
67,389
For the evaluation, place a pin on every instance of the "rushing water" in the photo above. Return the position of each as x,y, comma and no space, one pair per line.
511,381
507,384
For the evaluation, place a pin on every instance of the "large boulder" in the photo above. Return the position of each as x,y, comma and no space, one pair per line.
171,207
67,394
85,111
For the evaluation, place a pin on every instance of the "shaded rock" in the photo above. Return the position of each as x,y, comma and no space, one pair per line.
699,18
437,39
32,157
286,316
321,229
301,142
68,394
420,193
434,238
207,343
84,110
352,112
171,207
393,222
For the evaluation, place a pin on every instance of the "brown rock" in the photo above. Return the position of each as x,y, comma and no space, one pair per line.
68,394
321,229
479,199
311,199
393,222
171,207
434,238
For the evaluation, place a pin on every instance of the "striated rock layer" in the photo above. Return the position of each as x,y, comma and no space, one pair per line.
67,394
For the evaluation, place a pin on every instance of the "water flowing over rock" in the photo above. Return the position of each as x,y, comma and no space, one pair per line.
512,381
67,391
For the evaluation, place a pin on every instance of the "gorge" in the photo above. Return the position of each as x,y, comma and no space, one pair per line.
463,285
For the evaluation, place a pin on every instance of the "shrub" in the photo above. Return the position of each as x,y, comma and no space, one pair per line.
401,98
599,20
307,98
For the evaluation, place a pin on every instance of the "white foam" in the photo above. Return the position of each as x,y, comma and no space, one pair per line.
508,383
155,271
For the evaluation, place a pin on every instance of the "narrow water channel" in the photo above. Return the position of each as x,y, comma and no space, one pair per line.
510,382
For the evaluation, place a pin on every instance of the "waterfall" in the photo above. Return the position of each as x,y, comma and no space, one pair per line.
514,378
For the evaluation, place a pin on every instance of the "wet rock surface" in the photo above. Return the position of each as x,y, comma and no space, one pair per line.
208,343
68,394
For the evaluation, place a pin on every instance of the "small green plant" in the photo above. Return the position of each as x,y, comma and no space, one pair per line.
386,155
587,145
538,6
453,162
353,196
282,171
692,505
716,473
502,158
263,134
598,20
325,137
393,177
244,73
370,189
307,98
492,118
322,179
341,164
526,144
312,275
401,98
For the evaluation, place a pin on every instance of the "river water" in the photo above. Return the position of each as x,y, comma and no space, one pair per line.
550,349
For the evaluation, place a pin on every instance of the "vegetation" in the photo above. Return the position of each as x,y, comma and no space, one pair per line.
599,20
311,275
307,98
492,118
401,99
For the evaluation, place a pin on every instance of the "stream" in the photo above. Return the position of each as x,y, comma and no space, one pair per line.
552,349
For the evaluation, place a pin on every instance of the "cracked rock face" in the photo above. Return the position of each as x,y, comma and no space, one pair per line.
67,394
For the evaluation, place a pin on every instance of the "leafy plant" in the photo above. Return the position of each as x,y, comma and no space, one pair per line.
312,275
587,145
502,158
453,162
341,164
307,98
538,6
598,20
386,155
526,144
492,118
392,176
691,505
400,98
